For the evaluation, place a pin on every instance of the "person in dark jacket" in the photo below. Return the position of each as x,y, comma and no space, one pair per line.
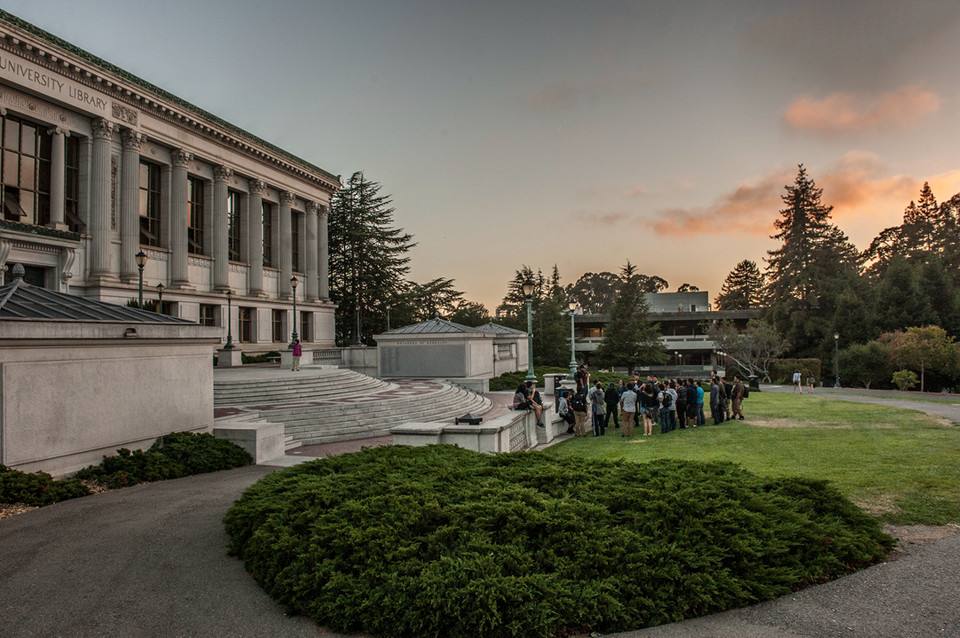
612,398
714,401
681,403
691,403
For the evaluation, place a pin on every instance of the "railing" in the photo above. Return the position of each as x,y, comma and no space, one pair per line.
328,357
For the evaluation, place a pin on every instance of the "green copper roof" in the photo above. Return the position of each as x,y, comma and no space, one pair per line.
22,24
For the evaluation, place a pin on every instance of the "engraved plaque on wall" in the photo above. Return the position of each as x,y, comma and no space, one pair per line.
114,169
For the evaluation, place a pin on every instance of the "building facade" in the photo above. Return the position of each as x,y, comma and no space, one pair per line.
684,319
98,165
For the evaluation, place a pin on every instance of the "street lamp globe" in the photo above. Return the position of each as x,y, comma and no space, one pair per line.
836,336
528,288
141,259
293,282
573,306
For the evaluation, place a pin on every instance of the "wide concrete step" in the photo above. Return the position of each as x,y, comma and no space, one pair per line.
279,393
373,405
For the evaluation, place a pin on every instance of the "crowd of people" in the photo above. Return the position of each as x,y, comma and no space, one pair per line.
664,404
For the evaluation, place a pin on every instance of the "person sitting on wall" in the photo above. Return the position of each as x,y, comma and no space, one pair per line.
535,401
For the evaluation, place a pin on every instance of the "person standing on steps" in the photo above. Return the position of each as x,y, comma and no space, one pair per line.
297,351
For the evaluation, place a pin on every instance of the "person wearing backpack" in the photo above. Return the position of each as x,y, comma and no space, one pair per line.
579,405
666,407
738,396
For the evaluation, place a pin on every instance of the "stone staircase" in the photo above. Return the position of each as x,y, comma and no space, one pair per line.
322,406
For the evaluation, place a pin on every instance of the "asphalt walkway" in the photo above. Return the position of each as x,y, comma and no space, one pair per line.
150,561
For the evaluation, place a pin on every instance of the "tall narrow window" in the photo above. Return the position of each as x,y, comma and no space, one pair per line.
295,240
71,186
245,315
233,225
25,172
267,218
195,215
279,334
149,204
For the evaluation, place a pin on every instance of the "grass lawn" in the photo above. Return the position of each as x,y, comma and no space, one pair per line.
900,465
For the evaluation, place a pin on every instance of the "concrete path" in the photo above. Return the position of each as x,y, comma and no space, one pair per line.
944,409
150,561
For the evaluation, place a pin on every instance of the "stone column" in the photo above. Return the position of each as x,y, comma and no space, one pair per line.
312,245
285,258
255,237
130,205
100,185
178,219
221,240
323,275
57,172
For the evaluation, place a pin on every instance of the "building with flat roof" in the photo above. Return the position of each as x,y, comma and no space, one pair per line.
684,319
98,165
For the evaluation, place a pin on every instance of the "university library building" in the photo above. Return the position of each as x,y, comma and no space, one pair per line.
98,166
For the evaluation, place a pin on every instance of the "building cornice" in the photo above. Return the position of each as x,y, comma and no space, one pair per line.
59,56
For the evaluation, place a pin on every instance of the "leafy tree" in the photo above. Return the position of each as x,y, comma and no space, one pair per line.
630,338
368,258
922,225
743,287
866,364
595,293
924,349
687,288
435,298
899,300
550,321
753,350
905,379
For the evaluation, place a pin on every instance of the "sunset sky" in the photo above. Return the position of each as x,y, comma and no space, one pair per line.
577,133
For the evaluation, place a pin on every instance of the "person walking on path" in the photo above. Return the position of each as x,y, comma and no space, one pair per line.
579,405
738,395
628,407
612,399
598,405
797,382
297,351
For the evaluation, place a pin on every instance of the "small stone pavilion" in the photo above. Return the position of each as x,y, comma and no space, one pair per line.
438,348
81,378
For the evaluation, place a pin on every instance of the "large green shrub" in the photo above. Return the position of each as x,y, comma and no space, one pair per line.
37,488
171,456
439,541
781,370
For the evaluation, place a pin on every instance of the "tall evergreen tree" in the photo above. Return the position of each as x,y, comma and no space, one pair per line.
630,339
803,273
743,288
368,258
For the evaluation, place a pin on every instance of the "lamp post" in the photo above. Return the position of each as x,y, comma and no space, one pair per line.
680,359
388,318
160,288
836,359
573,349
229,344
528,295
141,262
293,287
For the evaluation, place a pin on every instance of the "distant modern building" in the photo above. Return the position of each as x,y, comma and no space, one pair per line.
98,165
683,317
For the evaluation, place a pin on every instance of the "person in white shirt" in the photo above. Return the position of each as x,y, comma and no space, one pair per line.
628,408
798,382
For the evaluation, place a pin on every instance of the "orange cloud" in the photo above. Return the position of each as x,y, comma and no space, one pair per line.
865,197
849,113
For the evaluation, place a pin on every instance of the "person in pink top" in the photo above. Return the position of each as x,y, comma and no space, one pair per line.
297,353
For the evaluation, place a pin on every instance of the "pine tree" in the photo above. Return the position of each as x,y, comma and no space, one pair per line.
922,224
368,259
806,273
630,339
743,288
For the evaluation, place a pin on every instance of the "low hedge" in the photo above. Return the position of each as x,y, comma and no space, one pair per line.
37,488
439,541
171,456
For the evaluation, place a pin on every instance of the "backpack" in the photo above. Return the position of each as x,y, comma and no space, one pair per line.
667,400
746,390
519,400
579,403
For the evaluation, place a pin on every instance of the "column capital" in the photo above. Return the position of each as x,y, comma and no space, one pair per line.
323,211
287,197
222,173
132,140
311,207
102,129
180,157
257,187
56,130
